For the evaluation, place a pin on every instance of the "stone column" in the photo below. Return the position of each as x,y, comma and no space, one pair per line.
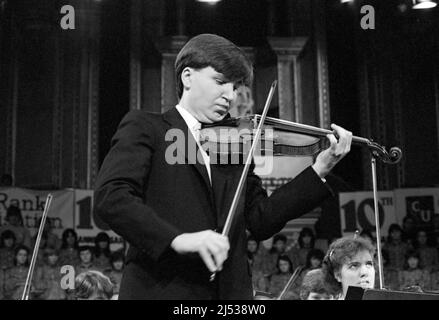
288,70
169,48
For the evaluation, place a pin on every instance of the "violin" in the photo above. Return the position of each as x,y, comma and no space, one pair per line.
231,139
277,137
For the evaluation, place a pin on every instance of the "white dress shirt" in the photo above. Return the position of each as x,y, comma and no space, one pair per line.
195,126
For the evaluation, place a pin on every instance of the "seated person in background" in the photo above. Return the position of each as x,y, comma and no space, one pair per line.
7,246
428,255
15,277
69,248
314,287
115,274
93,285
306,244
349,262
279,279
102,251
15,224
51,239
48,277
414,275
395,246
86,260
278,248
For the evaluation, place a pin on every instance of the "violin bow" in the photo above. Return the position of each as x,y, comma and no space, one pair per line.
293,278
27,285
232,211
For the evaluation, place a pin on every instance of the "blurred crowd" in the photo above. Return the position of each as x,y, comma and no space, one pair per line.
92,261
409,257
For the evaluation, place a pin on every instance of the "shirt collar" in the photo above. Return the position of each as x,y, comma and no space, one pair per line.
190,120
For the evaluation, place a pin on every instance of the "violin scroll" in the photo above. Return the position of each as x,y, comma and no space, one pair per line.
393,156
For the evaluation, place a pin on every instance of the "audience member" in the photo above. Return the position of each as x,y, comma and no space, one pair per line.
279,279
428,255
102,251
413,273
396,248
48,277
115,274
69,254
7,247
14,221
15,277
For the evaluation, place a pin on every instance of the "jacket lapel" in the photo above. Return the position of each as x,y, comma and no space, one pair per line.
176,121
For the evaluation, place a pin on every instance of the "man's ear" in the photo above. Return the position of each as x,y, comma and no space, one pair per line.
186,77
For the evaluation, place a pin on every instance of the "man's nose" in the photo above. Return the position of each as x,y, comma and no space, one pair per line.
229,92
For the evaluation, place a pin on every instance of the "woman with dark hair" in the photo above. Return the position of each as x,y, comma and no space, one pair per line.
15,224
15,277
428,255
69,254
115,274
7,246
413,275
306,244
102,253
349,262
279,279
396,248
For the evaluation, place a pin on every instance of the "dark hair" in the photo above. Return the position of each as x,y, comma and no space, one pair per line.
284,257
314,253
18,249
65,234
314,281
412,254
416,242
206,50
341,251
7,234
102,237
85,248
279,237
306,232
91,283
394,227
14,211
117,256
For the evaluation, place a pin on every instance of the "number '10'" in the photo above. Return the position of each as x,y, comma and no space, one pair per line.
351,215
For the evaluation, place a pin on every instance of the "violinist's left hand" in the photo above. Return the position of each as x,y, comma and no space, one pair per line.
327,159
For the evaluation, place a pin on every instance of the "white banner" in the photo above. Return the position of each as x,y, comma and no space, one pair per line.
357,211
31,204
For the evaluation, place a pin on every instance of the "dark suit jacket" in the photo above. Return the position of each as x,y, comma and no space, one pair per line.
149,202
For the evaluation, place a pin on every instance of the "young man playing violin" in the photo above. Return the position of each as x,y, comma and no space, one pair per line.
172,214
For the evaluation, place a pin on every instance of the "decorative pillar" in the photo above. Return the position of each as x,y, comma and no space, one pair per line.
135,55
288,70
169,48
322,64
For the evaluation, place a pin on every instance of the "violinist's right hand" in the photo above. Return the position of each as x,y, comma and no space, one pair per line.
212,247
